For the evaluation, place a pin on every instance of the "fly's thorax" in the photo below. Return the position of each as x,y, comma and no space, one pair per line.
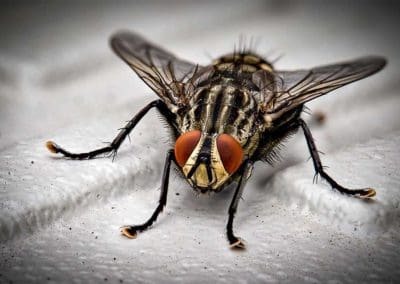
222,108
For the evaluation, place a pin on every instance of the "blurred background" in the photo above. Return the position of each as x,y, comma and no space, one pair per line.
47,47
60,80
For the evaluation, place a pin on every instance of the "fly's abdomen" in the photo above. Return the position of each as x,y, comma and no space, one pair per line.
245,62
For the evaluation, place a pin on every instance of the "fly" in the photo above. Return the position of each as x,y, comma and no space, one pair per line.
226,116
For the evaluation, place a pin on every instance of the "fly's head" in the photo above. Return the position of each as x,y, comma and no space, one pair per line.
208,160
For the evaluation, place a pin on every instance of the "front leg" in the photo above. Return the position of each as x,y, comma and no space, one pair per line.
116,143
244,171
364,192
130,231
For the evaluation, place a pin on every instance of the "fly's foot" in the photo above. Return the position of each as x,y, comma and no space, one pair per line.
237,244
52,147
364,193
129,232
367,193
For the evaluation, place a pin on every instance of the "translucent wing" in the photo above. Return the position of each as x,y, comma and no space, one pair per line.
290,89
159,69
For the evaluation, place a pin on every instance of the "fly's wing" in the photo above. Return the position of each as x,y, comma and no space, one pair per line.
164,73
290,89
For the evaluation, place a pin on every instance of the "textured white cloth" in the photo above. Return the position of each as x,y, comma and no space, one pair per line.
60,219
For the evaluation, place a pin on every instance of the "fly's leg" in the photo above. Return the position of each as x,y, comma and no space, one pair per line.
236,242
363,193
131,231
116,143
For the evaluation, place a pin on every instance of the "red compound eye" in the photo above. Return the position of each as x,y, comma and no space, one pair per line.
230,151
185,145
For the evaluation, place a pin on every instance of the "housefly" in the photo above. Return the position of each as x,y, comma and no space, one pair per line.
226,116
